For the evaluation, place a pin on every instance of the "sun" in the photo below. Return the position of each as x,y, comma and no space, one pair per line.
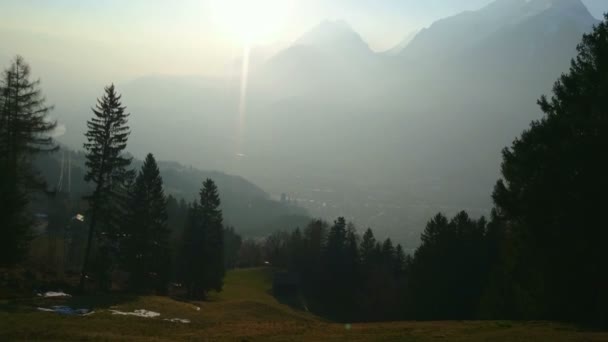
251,21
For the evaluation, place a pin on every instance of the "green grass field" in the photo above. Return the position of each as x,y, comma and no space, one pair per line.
245,311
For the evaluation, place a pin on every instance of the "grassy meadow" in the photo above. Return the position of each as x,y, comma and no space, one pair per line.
244,311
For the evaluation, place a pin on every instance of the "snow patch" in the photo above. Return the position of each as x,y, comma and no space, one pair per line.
54,294
177,320
138,313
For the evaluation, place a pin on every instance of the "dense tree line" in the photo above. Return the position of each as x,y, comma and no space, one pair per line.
340,273
132,226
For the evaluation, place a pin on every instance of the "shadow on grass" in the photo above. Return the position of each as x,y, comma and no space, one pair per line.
95,302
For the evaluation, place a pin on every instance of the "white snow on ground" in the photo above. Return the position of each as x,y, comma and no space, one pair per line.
53,294
177,320
138,313
149,314
66,310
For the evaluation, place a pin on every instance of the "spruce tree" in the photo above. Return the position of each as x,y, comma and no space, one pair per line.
400,260
232,245
191,254
145,246
388,252
553,191
202,265
24,130
212,221
106,164
367,247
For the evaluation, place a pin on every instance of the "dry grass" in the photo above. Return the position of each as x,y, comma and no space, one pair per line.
246,311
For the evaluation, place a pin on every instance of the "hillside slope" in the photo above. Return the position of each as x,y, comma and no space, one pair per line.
245,205
245,311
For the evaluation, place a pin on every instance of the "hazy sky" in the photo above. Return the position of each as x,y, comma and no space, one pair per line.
201,36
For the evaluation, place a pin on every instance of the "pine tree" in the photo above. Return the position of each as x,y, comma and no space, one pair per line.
145,246
106,164
232,245
388,253
212,221
367,247
400,260
351,250
202,262
336,240
24,130
337,270
191,254
552,192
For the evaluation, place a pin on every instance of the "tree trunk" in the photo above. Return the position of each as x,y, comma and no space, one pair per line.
87,253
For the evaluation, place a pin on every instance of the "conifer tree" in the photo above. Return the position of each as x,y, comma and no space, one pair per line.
552,192
106,164
232,245
367,247
388,252
202,263
145,246
25,129
351,250
400,260
212,221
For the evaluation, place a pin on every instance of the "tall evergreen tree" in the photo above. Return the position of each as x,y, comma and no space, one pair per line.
106,164
190,258
553,191
232,245
213,222
202,262
388,252
145,246
400,260
351,252
24,130
368,244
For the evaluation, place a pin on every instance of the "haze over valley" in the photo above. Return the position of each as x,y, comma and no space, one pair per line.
383,136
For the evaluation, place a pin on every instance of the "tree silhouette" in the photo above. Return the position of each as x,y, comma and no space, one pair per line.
202,262
145,246
552,192
106,164
449,269
24,130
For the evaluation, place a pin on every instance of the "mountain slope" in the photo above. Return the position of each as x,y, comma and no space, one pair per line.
245,206
453,35
386,141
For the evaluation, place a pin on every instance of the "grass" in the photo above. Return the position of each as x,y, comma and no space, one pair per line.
245,311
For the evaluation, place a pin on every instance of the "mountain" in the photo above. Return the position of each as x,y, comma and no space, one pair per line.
329,58
431,121
334,36
465,31
385,140
245,206
397,49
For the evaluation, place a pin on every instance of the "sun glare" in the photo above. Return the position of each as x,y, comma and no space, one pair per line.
250,21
